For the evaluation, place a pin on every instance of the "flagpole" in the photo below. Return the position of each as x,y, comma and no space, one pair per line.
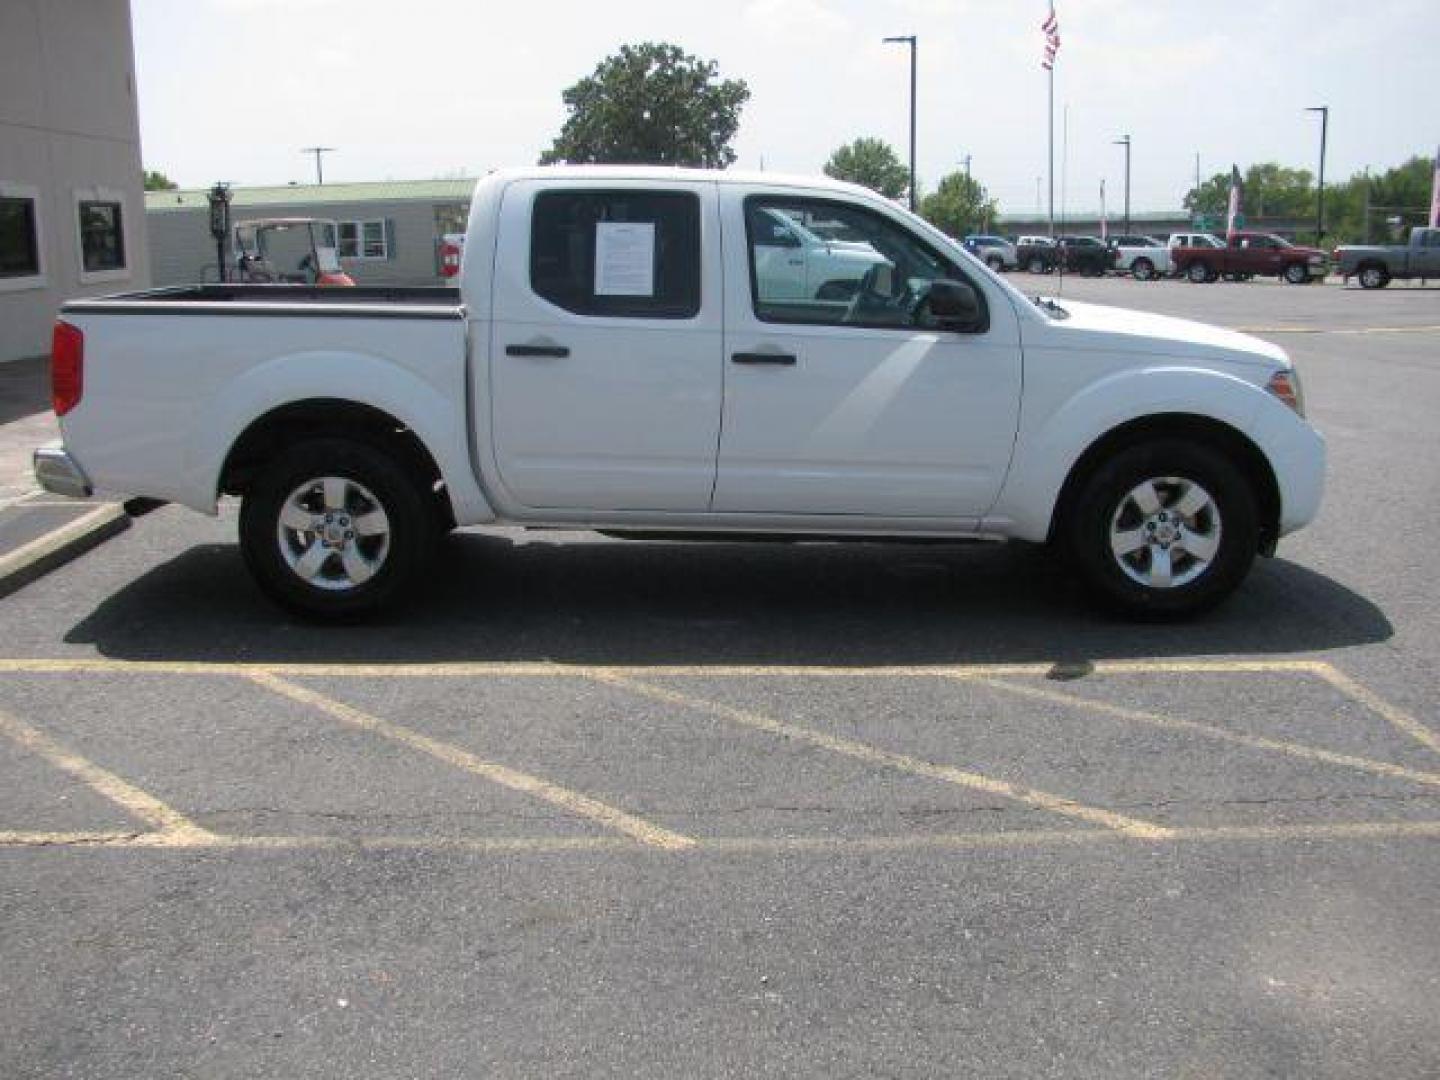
1050,72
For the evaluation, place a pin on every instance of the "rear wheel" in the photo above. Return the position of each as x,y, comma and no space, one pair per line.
1199,273
995,262
1143,269
335,529
1163,528
1036,265
1374,276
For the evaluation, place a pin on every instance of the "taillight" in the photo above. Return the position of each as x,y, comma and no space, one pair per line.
67,367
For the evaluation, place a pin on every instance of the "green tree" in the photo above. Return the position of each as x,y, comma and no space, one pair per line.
651,104
1270,190
158,181
871,163
958,206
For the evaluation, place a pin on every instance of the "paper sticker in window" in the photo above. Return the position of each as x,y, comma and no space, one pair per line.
625,258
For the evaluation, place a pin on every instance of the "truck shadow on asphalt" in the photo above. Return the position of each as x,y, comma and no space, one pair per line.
492,598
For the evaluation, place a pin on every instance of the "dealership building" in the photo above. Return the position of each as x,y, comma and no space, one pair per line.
72,219
388,232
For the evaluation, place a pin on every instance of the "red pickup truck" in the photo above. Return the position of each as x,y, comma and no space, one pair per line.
1249,254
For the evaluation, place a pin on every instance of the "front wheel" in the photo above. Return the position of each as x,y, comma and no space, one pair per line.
1036,265
1297,274
334,529
1164,528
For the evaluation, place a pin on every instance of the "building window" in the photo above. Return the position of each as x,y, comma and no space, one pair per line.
100,230
19,238
364,240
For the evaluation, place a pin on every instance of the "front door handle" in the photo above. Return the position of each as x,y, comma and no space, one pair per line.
787,359
536,350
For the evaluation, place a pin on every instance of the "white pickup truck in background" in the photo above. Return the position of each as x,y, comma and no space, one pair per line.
624,354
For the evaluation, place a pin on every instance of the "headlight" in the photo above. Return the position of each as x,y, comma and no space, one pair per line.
1285,385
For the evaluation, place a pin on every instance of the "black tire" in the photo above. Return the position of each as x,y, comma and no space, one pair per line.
1037,265
1100,503
1373,276
995,262
373,479
1297,274
1142,269
1199,273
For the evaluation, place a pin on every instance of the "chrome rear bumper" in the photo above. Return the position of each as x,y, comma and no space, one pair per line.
59,473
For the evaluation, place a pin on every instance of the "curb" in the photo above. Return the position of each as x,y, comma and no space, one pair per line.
56,548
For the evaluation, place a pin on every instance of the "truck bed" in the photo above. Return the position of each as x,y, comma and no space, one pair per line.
371,301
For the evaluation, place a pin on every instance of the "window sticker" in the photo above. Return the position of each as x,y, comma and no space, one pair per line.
625,258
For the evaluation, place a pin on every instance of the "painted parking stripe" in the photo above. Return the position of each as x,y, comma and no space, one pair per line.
171,824
576,803
743,845
1175,723
873,755
1397,716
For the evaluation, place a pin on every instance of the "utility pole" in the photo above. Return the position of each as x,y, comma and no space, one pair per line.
909,39
1124,141
319,152
1324,111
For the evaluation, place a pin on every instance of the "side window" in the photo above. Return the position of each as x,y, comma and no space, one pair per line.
882,278
633,254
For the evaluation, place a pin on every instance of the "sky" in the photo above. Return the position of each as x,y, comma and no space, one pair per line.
233,89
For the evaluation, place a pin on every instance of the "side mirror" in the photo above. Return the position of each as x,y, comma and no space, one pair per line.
954,304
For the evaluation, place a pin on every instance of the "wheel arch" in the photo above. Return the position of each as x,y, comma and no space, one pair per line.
1209,431
269,434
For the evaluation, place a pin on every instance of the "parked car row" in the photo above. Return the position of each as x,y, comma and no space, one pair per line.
1199,257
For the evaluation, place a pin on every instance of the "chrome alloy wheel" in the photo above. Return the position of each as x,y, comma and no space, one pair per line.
1165,532
333,533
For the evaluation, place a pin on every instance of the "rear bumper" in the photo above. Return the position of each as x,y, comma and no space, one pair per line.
59,473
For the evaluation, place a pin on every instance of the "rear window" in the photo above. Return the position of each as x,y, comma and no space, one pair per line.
631,254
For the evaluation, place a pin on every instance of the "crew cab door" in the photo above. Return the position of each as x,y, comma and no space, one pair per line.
605,362
859,405
1425,254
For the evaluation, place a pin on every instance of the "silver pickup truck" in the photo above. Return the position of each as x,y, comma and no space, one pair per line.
1376,267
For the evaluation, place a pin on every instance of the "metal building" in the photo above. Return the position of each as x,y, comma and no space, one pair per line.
389,231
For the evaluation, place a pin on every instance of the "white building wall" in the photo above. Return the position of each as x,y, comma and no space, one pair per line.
68,125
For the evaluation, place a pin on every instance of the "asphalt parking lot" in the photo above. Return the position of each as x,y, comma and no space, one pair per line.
599,808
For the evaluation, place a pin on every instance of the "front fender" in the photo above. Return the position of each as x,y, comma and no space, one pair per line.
1049,445
437,419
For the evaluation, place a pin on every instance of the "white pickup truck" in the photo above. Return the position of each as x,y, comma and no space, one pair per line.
615,360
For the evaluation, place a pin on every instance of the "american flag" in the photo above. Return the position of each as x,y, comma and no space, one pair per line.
1051,29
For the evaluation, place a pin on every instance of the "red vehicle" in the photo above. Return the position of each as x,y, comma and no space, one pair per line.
1248,254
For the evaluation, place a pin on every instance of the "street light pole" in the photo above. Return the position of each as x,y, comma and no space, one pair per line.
1324,111
1124,141
909,39
319,167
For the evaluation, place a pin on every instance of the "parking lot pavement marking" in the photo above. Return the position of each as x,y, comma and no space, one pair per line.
1363,695
11,838
174,827
573,801
873,755
1175,723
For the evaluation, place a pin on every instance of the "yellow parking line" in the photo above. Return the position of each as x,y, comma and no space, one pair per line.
573,801
740,845
172,824
1363,695
1175,723
875,756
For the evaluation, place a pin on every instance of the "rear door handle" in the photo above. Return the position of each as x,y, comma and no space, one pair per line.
787,359
536,350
